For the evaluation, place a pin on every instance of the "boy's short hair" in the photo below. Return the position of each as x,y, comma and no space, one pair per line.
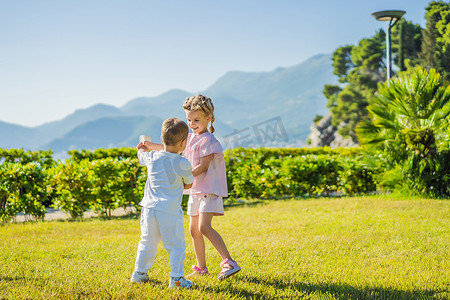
173,131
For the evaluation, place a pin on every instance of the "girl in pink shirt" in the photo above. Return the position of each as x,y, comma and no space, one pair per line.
205,154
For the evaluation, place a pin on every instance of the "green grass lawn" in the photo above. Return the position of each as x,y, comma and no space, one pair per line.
341,248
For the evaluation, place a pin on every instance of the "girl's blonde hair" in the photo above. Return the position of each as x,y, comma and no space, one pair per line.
200,102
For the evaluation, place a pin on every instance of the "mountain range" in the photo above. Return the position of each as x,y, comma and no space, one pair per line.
283,101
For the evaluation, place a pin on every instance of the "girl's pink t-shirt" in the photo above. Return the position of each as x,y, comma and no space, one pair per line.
214,180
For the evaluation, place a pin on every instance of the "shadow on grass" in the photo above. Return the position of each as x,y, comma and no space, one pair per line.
306,290
13,278
247,203
129,216
254,202
155,282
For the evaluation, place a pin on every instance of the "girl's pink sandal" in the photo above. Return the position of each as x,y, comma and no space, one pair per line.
198,271
229,267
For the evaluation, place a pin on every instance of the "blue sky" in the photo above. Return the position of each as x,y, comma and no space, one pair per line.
58,56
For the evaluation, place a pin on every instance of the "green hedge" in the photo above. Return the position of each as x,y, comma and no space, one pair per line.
105,179
24,185
42,158
117,153
100,184
261,154
32,180
271,173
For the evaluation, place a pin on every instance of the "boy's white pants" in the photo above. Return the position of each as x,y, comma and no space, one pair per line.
156,226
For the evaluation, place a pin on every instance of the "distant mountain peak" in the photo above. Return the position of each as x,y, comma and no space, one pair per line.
148,105
174,92
319,56
279,69
95,107
285,82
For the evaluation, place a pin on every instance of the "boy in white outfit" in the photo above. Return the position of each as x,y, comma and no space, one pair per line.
162,216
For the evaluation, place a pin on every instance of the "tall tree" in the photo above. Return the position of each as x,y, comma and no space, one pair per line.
359,69
436,38
406,44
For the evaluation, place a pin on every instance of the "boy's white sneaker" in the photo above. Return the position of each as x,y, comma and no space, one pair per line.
179,282
138,278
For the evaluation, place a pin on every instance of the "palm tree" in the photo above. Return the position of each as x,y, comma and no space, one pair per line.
408,125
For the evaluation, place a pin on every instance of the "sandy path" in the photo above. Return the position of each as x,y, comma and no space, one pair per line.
54,214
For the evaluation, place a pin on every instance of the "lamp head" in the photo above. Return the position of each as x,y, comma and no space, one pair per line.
389,15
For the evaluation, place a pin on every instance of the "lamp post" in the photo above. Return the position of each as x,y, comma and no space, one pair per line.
392,16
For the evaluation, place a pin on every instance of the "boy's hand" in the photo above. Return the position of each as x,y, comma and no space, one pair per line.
153,146
142,146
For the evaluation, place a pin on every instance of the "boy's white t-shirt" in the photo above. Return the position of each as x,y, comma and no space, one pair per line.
166,173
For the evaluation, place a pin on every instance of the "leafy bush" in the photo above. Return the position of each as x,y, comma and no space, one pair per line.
101,185
264,153
24,183
132,177
264,173
356,177
310,174
22,190
317,118
106,179
73,183
408,132
106,189
116,184
118,181
42,158
117,153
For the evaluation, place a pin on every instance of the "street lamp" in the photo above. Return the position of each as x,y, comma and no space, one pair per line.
392,16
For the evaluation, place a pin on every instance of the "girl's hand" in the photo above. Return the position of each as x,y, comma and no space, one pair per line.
203,165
